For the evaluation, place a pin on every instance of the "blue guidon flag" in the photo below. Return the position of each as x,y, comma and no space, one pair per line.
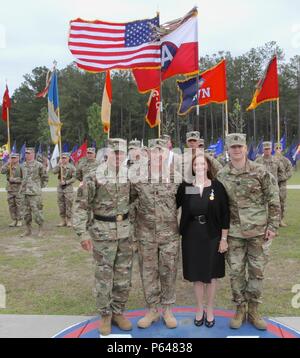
188,94
53,109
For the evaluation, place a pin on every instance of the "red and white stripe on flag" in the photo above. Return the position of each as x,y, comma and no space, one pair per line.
100,46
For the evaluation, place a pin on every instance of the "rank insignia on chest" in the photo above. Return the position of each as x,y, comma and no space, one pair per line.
212,195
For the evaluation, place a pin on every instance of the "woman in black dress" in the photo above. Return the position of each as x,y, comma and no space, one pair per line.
204,228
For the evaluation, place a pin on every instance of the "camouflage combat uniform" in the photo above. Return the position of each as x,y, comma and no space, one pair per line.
254,207
158,240
274,166
112,247
288,170
35,178
85,166
13,188
65,193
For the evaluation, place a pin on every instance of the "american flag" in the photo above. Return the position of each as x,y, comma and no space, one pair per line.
101,46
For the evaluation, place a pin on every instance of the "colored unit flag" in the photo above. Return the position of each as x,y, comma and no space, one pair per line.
14,148
211,89
53,109
22,153
106,104
179,55
44,92
267,88
283,143
153,114
5,104
54,157
79,153
100,46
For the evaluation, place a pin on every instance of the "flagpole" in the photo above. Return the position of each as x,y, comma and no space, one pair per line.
278,121
8,139
226,119
160,96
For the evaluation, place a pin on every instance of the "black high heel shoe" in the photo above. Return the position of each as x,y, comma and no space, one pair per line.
209,324
200,322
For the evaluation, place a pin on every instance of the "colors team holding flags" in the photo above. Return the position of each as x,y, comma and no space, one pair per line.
103,213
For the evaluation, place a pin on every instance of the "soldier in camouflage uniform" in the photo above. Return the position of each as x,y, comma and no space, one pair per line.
288,170
87,164
254,219
158,237
106,191
14,175
65,192
271,163
35,178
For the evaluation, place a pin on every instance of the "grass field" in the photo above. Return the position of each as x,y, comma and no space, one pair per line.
52,275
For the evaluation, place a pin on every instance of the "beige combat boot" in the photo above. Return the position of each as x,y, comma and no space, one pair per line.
69,222
28,231
169,318
283,224
13,224
19,223
255,318
62,223
40,231
239,317
121,321
150,317
105,325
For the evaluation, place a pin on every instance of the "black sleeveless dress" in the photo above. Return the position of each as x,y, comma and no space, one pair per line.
200,257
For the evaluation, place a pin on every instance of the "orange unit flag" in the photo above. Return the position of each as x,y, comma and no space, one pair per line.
106,104
267,88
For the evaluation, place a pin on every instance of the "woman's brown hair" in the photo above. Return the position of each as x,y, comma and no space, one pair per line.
210,170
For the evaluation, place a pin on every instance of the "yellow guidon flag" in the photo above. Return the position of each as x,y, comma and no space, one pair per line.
106,104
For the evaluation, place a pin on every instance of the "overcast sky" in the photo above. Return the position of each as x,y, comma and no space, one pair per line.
34,32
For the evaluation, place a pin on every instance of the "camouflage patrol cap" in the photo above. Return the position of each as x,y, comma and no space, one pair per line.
158,143
267,145
235,139
91,150
29,150
195,135
134,144
201,142
278,146
14,155
117,144
66,155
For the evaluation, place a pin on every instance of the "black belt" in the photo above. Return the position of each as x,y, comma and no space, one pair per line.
112,219
201,219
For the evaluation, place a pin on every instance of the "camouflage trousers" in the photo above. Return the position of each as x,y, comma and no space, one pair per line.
158,267
247,259
15,205
283,197
65,201
33,209
113,260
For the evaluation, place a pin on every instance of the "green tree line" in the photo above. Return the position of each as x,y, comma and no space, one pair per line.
80,96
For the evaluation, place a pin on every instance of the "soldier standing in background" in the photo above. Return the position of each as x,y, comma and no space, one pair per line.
271,163
65,191
158,237
254,219
35,178
87,164
14,176
106,191
288,170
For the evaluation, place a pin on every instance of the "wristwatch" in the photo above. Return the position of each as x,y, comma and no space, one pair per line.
224,238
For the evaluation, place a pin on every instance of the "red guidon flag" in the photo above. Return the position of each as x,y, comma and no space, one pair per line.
5,104
106,104
153,114
80,153
179,54
267,88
